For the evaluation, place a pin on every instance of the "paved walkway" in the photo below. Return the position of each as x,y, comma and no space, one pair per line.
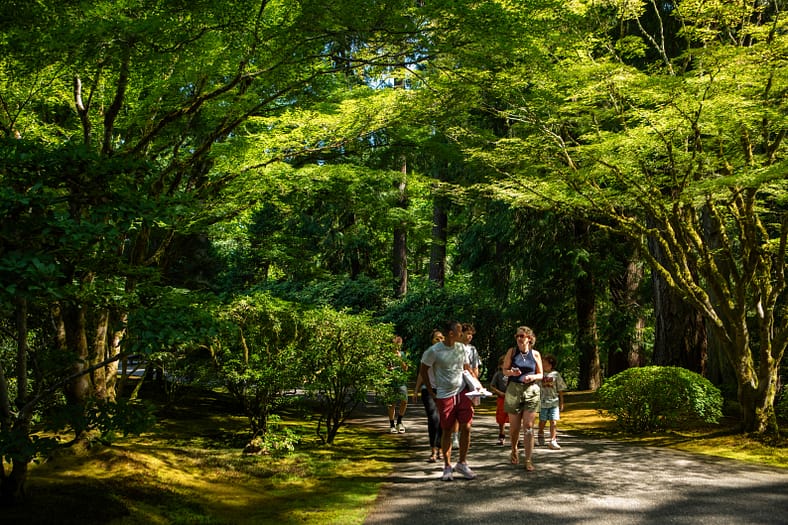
588,481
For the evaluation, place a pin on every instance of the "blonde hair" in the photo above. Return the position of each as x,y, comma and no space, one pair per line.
528,333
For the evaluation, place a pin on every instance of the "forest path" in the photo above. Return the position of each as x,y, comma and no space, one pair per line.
590,481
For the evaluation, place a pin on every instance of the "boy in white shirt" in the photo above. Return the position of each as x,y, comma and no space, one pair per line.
552,397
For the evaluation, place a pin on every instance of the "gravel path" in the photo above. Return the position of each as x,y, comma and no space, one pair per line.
589,481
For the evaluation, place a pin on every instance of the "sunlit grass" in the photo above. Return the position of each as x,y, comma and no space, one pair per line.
185,471
720,440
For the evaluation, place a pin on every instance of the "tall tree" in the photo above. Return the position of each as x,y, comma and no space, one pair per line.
399,259
587,339
622,145
128,126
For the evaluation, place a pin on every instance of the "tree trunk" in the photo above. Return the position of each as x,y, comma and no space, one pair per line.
72,339
400,255
590,376
12,484
627,324
440,223
679,328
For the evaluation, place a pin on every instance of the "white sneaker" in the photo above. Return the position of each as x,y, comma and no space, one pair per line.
401,428
554,445
447,474
465,470
393,430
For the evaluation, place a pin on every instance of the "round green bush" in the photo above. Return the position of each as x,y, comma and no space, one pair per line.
652,398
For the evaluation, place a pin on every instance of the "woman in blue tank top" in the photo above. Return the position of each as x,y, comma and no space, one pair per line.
523,366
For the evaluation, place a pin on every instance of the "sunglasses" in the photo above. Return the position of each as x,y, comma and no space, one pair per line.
520,336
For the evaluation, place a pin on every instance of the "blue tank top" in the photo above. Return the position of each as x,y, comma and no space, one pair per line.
525,362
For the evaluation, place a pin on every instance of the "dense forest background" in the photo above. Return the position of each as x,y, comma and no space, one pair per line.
258,195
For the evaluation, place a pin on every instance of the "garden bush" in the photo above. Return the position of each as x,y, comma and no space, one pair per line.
652,398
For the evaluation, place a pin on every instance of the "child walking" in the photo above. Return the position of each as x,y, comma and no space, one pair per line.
552,393
498,387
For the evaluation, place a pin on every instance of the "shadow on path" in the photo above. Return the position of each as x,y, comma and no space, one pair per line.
588,481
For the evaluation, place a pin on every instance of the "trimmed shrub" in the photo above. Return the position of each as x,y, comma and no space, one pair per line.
652,398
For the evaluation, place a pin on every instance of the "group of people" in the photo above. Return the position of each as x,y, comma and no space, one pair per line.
525,383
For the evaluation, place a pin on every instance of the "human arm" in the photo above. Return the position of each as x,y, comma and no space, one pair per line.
418,386
561,386
424,372
507,364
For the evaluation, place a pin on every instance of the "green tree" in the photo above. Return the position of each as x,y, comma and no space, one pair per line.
344,359
257,354
671,153
129,127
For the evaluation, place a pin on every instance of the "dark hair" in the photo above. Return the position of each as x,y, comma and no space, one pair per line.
550,358
468,327
449,326
435,332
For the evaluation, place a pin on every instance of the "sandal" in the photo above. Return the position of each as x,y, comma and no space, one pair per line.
529,466
514,457
431,459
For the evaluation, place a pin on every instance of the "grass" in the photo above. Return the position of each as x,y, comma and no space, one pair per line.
722,440
189,469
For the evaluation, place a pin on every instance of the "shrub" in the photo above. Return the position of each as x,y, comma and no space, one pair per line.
653,398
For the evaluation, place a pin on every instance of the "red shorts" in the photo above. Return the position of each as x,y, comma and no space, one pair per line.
501,417
455,409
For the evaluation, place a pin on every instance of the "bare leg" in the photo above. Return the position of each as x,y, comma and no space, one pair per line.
446,446
514,435
465,441
528,437
553,430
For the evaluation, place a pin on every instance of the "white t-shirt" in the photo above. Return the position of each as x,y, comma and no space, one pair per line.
473,357
447,363
551,384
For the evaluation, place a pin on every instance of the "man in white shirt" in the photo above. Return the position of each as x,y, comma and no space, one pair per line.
448,359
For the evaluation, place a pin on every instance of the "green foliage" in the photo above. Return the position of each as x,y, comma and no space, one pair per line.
278,441
110,420
256,353
651,398
781,405
345,357
340,292
24,447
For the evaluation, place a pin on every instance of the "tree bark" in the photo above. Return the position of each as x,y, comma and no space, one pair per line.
590,375
12,484
679,328
400,254
440,223
626,338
